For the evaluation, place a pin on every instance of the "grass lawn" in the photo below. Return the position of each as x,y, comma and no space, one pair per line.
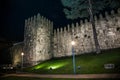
89,64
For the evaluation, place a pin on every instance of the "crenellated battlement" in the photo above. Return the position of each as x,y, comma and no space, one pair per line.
107,26
42,43
96,18
37,39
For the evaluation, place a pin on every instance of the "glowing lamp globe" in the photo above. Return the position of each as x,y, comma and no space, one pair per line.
73,43
22,53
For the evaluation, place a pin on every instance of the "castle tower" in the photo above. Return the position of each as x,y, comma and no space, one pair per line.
40,45
37,39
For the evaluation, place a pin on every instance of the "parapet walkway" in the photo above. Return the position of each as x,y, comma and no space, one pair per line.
65,75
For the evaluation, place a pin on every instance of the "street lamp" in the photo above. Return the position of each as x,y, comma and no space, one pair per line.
22,54
73,54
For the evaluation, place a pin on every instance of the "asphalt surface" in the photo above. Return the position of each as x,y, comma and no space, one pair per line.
64,75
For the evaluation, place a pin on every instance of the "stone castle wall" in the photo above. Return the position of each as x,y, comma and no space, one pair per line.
41,43
37,39
108,31
16,51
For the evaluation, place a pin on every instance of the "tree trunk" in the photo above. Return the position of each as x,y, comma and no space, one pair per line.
97,46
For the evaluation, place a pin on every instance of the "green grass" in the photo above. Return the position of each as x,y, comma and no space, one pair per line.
89,63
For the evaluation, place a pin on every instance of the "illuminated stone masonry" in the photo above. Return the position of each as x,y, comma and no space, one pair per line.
42,43
108,31
37,39
16,51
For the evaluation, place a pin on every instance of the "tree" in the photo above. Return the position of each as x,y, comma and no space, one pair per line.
112,3
87,8
79,8
97,46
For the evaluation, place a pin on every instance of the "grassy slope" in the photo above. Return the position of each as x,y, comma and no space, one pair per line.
89,63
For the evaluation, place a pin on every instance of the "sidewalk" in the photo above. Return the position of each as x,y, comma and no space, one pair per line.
65,75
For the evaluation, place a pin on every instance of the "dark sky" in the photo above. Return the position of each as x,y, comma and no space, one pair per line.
14,12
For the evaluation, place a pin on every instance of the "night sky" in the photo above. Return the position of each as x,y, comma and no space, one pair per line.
14,12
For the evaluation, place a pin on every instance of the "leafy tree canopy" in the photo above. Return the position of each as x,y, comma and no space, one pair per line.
79,8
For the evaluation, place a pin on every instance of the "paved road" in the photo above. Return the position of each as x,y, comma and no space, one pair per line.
65,75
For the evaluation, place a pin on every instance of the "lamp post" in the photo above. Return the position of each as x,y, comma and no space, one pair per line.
22,54
73,54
